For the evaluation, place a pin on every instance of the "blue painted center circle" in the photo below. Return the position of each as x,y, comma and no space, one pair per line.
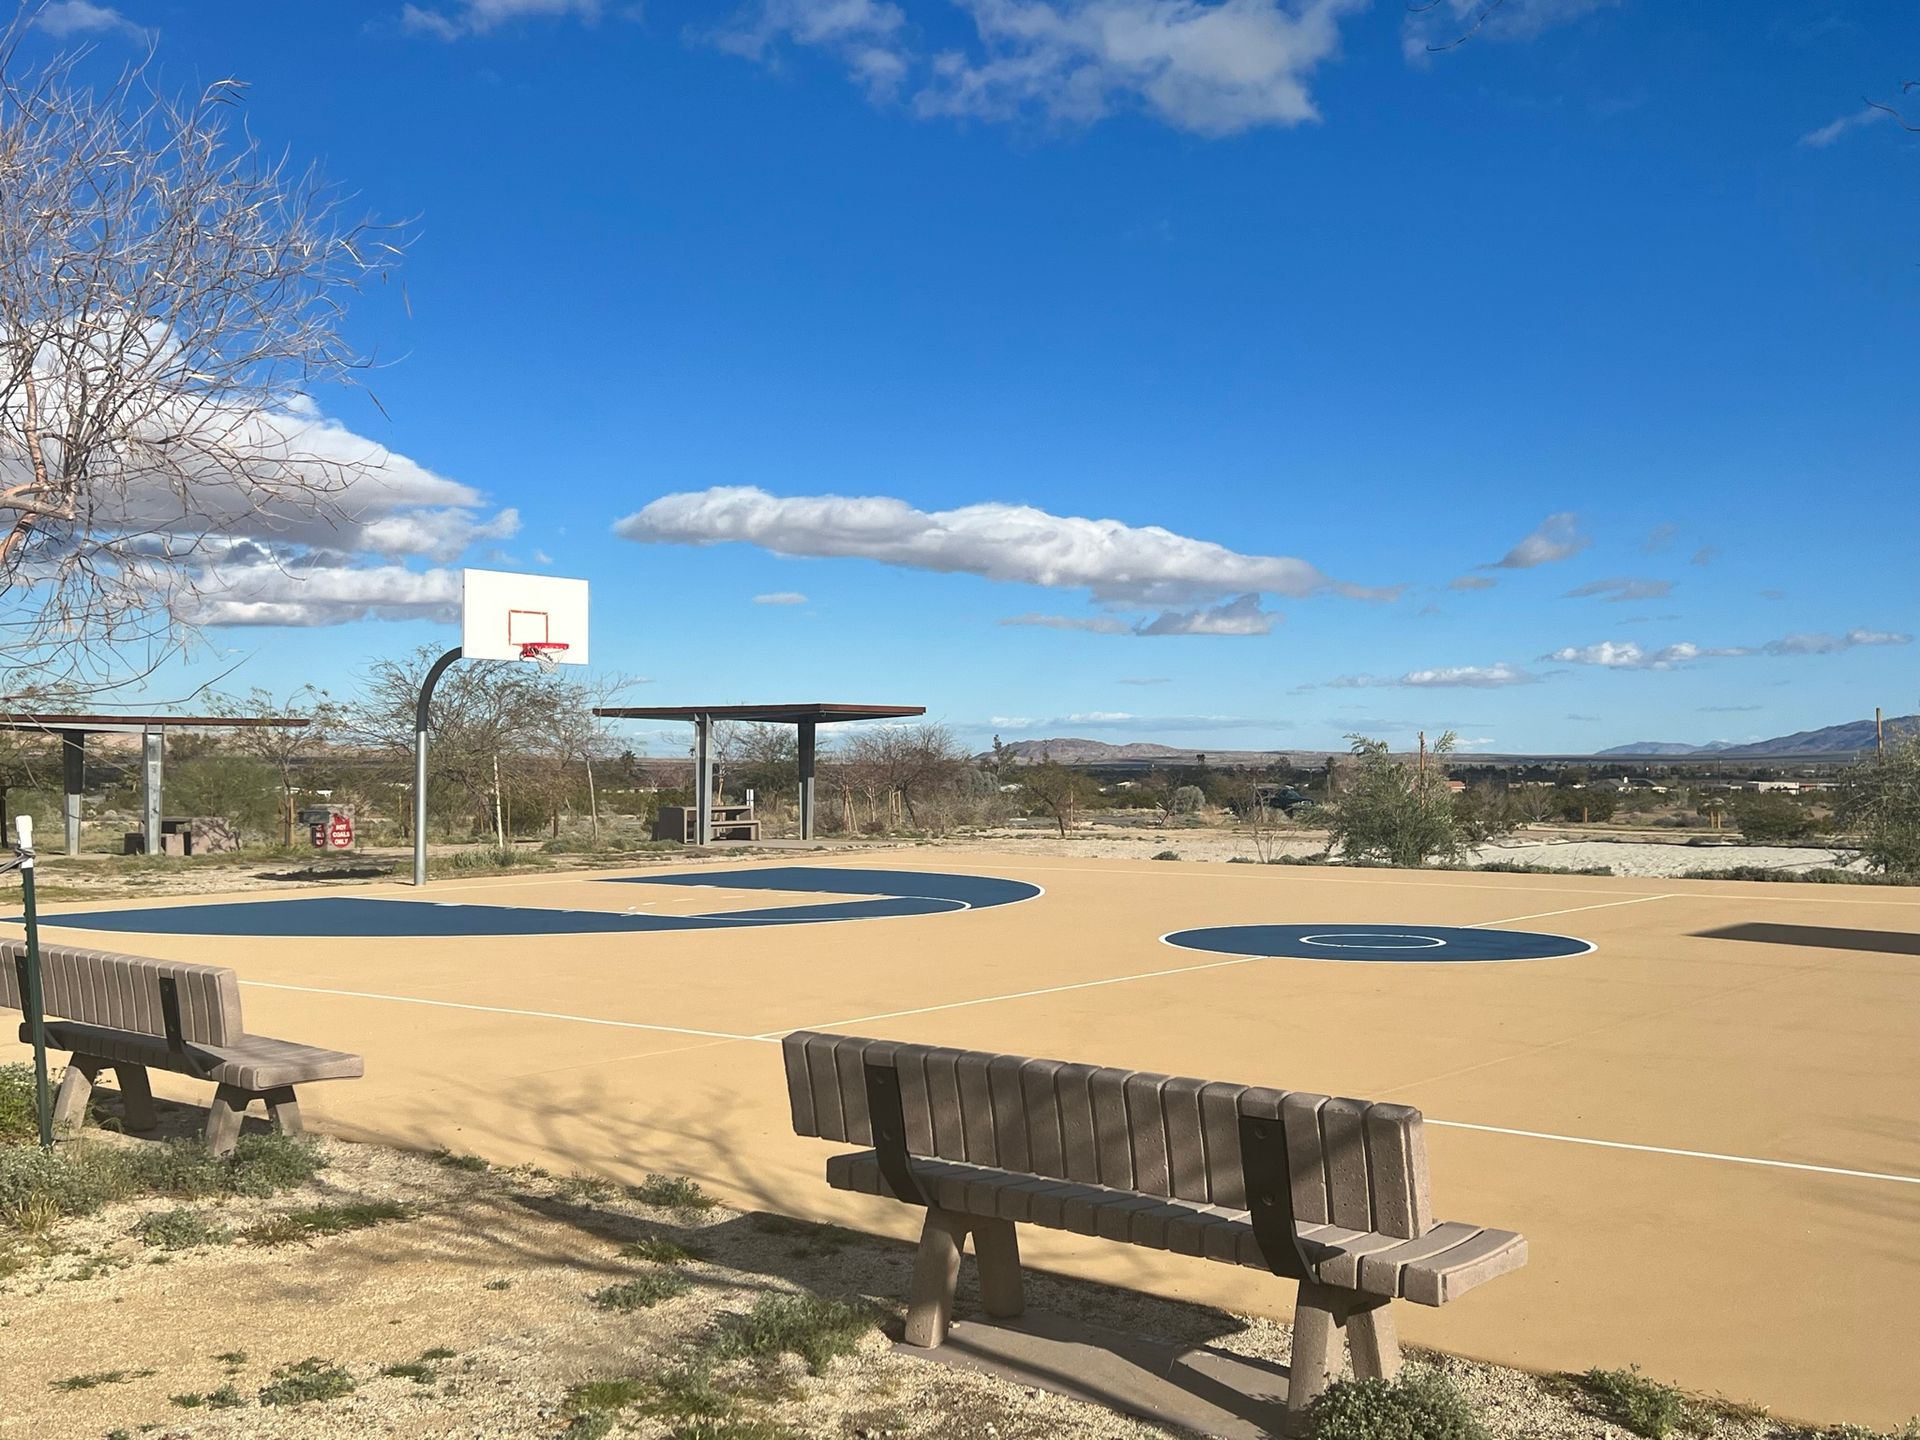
1402,944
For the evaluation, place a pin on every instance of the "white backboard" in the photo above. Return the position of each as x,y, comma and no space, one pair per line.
500,612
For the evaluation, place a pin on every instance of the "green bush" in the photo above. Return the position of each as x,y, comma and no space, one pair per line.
1646,1407
78,1179
1767,819
1420,1405
1881,803
813,1327
181,1229
18,1125
306,1380
1394,810
642,1292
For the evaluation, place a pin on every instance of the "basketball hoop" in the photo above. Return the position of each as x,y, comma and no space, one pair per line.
544,653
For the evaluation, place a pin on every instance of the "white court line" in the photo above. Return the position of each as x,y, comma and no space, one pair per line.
1017,995
1571,910
1684,1154
503,1010
773,1037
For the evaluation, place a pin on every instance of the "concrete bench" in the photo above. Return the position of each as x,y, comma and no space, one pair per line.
1332,1193
131,1014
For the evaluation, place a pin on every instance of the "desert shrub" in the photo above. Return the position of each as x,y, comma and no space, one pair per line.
1394,810
1630,1399
672,1192
17,1120
815,1328
306,1380
181,1229
643,1292
1771,819
78,1179
1880,802
1420,1405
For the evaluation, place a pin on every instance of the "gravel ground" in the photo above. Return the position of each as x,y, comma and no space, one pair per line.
493,1273
1652,859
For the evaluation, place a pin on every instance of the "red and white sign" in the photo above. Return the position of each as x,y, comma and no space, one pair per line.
340,833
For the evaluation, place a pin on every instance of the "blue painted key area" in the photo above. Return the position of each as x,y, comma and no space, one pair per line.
872,895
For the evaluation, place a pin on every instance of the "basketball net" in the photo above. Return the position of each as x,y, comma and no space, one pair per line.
544,653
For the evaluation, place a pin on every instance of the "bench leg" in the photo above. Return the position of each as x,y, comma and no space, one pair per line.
1374,1342
996,1250
285,1110
1318,1319
223,1119
76,1089
136,1097
936,1273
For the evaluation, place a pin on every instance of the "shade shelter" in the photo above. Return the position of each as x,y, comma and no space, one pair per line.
807,718
74,729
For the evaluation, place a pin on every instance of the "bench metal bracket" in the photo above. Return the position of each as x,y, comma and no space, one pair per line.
1268,1176
888,1120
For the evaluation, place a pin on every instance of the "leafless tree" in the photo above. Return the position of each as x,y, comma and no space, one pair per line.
1056,792
171,299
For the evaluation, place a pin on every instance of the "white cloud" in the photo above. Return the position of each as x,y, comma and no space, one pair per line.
477,17
1834,129
781,597
1118,564
1473,582
1146,724
1705,555
1622,588
1443,24
81,17
236,508
1095,624
1444,677
1210,68
1626,655
308,593
1239,616
1558,538
1011,722
1659,539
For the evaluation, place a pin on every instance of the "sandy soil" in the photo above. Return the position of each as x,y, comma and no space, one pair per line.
494,1274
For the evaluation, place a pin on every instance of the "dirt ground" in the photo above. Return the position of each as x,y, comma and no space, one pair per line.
475,1317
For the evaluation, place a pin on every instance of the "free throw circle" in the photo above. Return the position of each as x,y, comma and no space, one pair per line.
1405,944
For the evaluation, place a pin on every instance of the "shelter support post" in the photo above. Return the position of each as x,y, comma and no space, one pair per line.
807,729
73,771
153,749
702,779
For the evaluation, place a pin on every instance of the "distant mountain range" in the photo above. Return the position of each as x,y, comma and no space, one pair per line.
1847,739
1851,738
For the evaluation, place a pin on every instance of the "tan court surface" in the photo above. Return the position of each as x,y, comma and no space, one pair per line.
1788,1283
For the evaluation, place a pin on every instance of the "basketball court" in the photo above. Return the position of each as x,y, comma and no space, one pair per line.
1697,1100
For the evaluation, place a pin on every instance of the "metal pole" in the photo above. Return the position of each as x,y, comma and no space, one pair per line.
807,729
153,756
30,997
702,779
420,710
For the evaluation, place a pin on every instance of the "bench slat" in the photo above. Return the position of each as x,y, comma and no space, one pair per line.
1147,1131
824,1081
1072,1087
1380,1272
943,1100
793,1054
1008,1105
910,1062
1455,1271
976,1106
1045,1145
1397,1165
1220,1125
849,1064
1112,1137
1186,1139
1343,1134
1300,1115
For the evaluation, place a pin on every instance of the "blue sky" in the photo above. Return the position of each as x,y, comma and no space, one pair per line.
1238,375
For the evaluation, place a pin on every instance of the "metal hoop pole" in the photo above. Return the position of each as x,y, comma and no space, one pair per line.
420,762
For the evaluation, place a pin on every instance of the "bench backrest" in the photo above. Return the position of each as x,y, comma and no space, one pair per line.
122,992
1353,1163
